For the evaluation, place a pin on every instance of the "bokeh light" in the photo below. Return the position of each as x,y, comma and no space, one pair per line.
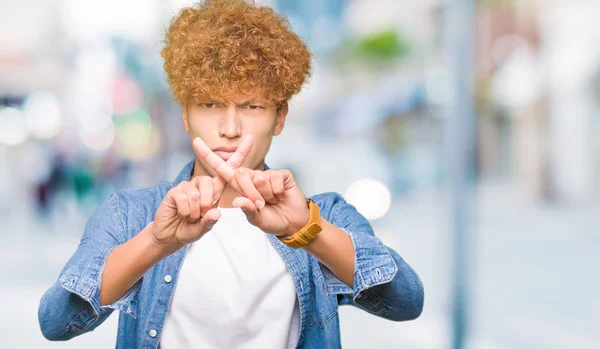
94,119
42,115
13,129
100,139
85,110
126,96
371,198
137,138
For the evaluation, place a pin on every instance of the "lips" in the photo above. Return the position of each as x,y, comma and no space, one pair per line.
225,155
225,152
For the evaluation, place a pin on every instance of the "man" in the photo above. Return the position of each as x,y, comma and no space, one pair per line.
230,254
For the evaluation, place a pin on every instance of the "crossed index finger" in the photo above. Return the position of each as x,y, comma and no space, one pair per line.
235,161
241,153
219,165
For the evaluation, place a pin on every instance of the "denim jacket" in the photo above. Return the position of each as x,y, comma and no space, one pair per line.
384,284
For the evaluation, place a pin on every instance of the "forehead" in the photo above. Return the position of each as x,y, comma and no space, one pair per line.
244,98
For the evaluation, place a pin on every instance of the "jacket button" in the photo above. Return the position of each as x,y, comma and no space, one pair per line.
168,278
153,333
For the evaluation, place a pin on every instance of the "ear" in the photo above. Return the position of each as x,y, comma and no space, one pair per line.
280,122
184,118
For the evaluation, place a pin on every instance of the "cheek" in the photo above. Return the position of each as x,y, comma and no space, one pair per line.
258,127
262,134
261,147
199,126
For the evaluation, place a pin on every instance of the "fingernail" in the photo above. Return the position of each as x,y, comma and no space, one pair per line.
234,204
259,204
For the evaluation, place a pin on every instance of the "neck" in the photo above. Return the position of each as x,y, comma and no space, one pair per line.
229,194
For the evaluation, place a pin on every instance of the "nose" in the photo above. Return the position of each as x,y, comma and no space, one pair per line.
231,126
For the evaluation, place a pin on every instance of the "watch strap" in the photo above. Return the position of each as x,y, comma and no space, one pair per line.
307,233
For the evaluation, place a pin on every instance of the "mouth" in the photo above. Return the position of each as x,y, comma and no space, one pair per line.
225,152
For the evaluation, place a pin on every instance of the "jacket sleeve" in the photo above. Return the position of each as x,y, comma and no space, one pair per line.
72,305
384,284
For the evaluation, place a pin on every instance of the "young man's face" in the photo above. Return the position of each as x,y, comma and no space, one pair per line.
222,126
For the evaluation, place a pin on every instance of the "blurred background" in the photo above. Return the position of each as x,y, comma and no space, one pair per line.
85,110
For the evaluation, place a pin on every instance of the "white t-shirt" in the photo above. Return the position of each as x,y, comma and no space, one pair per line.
233,291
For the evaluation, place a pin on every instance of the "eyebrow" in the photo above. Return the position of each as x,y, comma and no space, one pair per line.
249,101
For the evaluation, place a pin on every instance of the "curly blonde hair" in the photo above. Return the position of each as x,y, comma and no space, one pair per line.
221,47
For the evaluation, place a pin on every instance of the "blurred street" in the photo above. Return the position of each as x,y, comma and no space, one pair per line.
535,284
410,106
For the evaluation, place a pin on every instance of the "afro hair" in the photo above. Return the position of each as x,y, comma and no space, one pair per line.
221,47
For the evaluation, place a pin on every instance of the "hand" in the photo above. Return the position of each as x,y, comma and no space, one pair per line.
186,213
235,161
271,199
189,210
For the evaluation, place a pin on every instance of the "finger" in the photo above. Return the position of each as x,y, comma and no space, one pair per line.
196,181
249,209
248,189
235,161
263,185
288,179
183,205
218,188
193,200
209,220
206,194
171,197
277,183
216,192
213,160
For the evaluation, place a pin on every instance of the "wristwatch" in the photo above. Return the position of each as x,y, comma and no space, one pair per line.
309,232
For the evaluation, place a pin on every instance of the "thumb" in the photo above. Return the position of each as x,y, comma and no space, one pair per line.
249,209
211,217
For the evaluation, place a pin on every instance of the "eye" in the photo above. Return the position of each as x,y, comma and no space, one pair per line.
210,105
254,107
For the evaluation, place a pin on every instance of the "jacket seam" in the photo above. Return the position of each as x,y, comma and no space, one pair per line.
331,317
334,217
118,216
386,307
72,322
